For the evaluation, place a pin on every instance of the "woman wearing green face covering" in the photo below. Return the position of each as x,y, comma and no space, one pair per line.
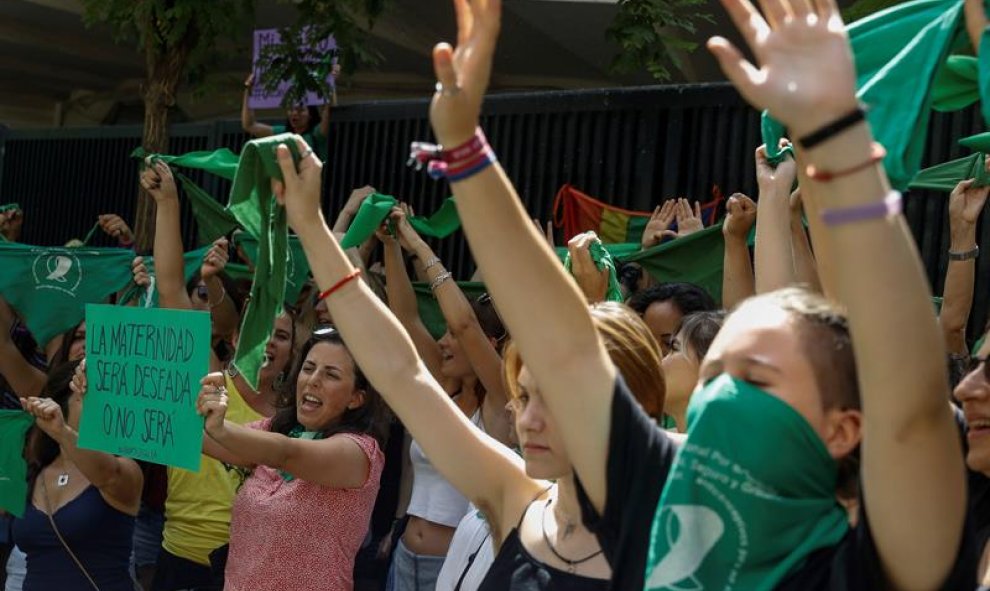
751,499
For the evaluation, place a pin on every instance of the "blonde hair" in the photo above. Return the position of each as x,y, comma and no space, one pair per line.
630,345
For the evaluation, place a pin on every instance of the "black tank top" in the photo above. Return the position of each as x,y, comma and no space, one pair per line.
515,568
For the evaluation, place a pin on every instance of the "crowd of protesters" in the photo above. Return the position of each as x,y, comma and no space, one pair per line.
822,427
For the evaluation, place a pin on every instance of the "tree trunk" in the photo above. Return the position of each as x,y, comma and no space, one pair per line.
165,65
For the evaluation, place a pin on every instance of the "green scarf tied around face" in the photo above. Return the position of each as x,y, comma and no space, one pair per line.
898,53
253,205
14,425
603,261
375,209
50,287
740,512
945,176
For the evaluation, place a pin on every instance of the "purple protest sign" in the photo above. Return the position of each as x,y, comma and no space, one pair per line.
259,98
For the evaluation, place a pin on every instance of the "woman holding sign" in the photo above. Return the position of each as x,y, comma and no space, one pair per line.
300,518
77,527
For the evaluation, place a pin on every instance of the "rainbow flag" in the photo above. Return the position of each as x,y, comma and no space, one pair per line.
578,212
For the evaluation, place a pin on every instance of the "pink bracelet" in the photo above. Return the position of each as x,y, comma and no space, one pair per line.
889,207
457,163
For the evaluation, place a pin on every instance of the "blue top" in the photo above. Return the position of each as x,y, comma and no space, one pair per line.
99,535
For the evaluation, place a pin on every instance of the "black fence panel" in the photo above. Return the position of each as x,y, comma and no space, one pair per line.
632,147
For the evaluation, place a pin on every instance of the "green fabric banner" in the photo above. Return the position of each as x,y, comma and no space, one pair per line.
14,425
143,367
376,208
297,266
254,206
222,162
212,219
898,52
945,176
429,309
50,287
697,258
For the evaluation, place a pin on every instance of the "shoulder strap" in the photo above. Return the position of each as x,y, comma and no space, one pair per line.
51,519
470,562
540,494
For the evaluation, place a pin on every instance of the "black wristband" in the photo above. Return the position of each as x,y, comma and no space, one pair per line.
832,129
965,256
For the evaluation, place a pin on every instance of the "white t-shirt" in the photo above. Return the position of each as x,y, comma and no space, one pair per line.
470,554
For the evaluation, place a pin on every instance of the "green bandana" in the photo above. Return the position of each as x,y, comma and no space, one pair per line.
740,512
254,206
212,219
9,206
148,296
222,162
603,260
297,265
50,287
429,308
14,425
898,52
298,432
696,258
376,208
773,131
945,176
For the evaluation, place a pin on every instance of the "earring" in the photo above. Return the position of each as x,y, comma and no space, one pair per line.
279,381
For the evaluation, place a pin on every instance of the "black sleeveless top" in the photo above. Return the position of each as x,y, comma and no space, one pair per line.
515,568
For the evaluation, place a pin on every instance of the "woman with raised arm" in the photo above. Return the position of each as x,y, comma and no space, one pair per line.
197,509
300,517
732,517
536,525
77,527
311,123
467,355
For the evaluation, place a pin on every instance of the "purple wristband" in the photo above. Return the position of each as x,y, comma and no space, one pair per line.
890,206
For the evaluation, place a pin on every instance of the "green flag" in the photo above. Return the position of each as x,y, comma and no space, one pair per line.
297,266
14,425
898,52
696,258
945,176
222,162
50,287
254,206
429,308
212,219
375,209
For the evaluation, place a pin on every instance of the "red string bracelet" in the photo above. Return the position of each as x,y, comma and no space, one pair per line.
877,154
336,286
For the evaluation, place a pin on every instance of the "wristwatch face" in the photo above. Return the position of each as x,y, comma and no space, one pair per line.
231,371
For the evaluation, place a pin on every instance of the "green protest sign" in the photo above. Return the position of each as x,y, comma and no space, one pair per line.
14,425
143,366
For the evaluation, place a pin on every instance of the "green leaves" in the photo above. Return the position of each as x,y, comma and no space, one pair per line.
652,34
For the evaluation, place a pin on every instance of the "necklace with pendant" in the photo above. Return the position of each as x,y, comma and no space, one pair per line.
63,476
572,565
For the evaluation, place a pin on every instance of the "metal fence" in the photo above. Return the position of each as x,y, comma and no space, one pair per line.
630,147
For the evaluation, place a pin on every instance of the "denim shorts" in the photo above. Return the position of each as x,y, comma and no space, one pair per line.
413,572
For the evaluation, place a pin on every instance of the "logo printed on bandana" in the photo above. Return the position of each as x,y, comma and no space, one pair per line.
59,271
691,532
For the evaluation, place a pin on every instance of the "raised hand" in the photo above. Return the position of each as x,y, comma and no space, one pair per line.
249,81
688,219
592,280
157,180
212,403
409,239
356,198
79,384
966,203
139,272
115,226
11,222
780,180
299,191
47,415
740,215
660,222
804,71
215,259
463,72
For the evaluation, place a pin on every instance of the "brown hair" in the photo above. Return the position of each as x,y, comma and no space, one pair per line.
631,347
827,344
